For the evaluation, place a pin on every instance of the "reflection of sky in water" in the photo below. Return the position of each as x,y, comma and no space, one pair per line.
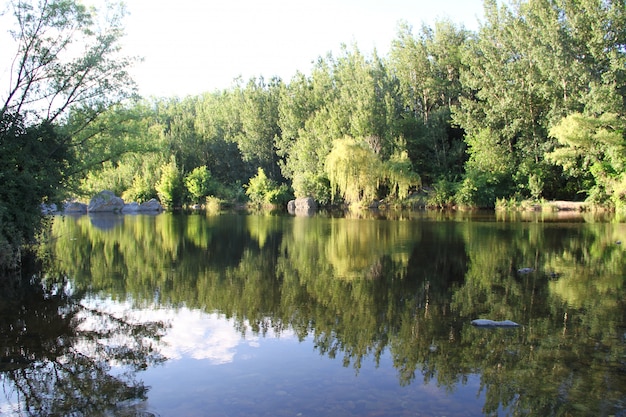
213,370
190,333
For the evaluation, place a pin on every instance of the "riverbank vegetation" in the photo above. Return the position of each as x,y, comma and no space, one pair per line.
530,106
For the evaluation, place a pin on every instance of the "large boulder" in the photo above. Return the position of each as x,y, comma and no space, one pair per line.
151,205
105,202
302,206
306,204
291,206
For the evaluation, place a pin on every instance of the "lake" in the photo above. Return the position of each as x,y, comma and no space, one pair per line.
357,315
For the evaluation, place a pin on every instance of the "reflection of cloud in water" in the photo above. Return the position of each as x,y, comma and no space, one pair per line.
201,336
190,333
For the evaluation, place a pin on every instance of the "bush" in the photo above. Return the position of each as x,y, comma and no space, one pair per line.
170,185
442,194
198,183
262,190
310,185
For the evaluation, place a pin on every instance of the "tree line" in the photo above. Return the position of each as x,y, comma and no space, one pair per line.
529,106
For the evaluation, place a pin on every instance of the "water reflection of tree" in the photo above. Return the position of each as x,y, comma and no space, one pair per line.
57,355
361,288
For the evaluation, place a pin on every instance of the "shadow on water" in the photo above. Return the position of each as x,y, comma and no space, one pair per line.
360,287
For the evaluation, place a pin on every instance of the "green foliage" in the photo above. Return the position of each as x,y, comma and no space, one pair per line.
477,190
170,185
309,185
595,146
262,190
398,172
353,170
531,64
442,194
56,93
33,161
198,183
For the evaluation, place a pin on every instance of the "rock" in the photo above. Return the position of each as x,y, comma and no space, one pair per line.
74,207
525,270
492,323
48,209
131,207
291,207
302,206
151,205
306,203
105,202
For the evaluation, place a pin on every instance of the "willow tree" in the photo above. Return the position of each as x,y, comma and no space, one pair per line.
399,175
353,170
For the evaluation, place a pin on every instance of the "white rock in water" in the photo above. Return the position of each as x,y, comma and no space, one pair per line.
492,323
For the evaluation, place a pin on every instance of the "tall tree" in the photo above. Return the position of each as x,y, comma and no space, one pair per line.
258,106
533,63
66,57
427,67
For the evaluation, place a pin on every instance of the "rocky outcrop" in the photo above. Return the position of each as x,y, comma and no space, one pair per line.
150,206
105,202
302,206
74,207
131,207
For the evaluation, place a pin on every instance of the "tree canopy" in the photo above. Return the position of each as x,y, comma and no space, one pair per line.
65,72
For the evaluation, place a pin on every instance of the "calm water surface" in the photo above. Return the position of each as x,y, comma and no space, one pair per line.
270,315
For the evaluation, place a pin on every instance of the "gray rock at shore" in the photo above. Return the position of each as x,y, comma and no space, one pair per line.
49,209
74,207
105,202
302,206
151,205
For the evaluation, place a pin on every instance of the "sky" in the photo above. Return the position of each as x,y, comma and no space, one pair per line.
190,47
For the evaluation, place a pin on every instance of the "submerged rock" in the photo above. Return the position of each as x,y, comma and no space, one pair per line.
492,323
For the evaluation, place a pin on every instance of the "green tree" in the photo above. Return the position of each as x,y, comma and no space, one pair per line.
258,107
398,173
48,80
428,68
198,183
596,147
170,185
353,170
263,190
531,64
